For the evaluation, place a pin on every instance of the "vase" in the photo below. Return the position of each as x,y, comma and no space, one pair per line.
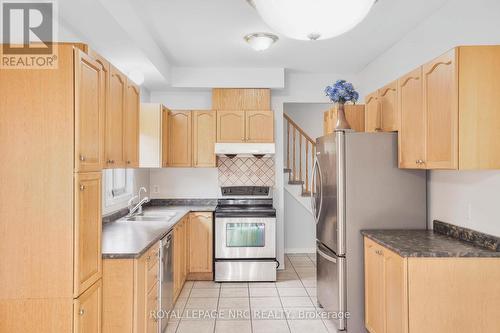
342,123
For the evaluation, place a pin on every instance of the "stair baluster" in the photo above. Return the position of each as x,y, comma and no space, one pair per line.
299,176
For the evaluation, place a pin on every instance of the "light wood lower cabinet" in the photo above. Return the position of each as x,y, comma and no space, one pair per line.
180,257
355,115
200,246
88,310
432,295
130,293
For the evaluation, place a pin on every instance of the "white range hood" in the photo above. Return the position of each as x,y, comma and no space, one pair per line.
245,149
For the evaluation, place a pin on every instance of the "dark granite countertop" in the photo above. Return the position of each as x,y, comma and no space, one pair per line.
128,240
427,243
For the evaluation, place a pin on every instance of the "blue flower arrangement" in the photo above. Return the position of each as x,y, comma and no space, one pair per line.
342,92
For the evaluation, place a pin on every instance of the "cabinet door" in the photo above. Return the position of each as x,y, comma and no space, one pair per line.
441,112
374,288
412,128
114,119
90,89
131,126
164,136
372,113
204,129
180,139
396,293
87,248
259,126
388,102
230,126
177,259
200,242
88,310
152,311
327,122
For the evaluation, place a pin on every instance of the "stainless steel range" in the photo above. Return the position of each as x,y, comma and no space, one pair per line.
245,235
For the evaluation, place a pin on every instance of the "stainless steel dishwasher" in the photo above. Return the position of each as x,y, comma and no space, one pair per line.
166,297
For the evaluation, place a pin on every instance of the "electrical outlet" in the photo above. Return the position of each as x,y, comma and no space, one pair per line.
156,189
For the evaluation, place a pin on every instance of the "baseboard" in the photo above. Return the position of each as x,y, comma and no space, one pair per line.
300,250
200,276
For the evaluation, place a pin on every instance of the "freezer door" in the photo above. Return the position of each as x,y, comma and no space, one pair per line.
325,194
331,285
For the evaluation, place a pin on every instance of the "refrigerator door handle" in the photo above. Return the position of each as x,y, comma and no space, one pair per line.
317,212
326,256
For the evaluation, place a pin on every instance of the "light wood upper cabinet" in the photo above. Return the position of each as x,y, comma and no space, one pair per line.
355,115
204,131
241,99
245,126
230,126
90,93
440,101
179,139
131,126
87,261
152,143
259,126
165,136
88,310
412,126
372,113
115,119
388,103
200,242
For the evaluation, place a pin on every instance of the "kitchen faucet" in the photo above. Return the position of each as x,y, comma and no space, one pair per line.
137,209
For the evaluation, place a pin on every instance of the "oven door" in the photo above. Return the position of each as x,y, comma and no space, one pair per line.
245,237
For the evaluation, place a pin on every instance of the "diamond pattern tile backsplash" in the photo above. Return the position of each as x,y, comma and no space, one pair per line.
246,171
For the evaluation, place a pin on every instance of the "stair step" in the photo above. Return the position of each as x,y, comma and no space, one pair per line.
287,170
306,193
296,182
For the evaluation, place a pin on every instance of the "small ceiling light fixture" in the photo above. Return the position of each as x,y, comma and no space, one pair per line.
312,19
260,41
136,76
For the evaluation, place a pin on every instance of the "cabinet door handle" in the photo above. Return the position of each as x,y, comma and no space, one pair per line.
111,161
242,139
82,187
379,252
81,312
128,162
82,158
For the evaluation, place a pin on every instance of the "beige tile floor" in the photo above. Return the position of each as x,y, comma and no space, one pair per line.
287,306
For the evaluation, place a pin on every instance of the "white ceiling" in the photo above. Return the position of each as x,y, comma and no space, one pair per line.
155,35
203,33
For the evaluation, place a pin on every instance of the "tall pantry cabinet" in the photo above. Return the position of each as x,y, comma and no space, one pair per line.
52,140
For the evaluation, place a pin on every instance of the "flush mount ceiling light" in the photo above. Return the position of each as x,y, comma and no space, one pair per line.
261,41
312,19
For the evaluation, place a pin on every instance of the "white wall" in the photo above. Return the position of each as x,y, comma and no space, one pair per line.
468,198
300,229
184,183
309,116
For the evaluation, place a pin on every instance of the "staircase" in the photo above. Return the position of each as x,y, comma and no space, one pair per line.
300,152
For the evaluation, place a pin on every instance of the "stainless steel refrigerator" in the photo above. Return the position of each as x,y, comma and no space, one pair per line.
358,185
